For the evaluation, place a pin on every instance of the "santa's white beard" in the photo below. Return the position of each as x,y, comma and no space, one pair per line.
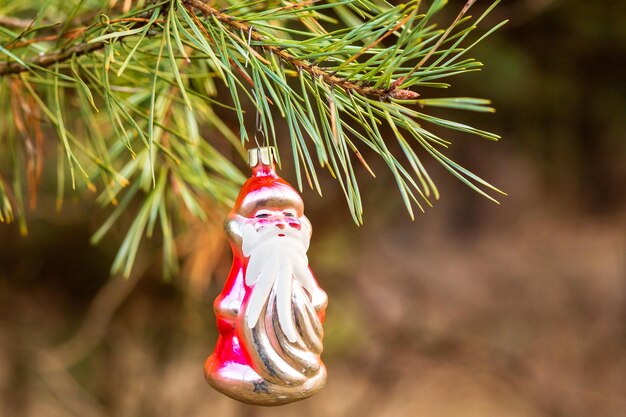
279,317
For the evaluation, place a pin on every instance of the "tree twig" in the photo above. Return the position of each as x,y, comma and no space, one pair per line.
48,59
329,78
300,64
15,22
51,58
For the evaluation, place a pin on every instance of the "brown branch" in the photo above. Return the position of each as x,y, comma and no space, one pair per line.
239,25
51,58
300,64
14,22
46,60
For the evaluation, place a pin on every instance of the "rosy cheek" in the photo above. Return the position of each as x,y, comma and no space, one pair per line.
294,223
260,223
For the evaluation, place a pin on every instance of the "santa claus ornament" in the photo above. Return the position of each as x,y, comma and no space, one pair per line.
271,310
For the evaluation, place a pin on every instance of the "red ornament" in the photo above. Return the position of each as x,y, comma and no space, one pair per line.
271,310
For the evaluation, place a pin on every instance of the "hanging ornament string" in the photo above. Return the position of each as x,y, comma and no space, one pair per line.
262,146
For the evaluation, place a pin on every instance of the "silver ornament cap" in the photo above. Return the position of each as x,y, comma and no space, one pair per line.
265,155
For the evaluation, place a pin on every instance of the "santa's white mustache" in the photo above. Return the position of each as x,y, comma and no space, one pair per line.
277,259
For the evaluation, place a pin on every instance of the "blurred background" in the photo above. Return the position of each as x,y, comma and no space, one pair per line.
473,309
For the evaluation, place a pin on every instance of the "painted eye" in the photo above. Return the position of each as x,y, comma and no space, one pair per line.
262,215
289,213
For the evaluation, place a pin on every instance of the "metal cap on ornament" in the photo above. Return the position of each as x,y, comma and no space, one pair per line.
265,155
271,310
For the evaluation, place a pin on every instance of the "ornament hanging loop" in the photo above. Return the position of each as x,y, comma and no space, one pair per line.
258,124
258,129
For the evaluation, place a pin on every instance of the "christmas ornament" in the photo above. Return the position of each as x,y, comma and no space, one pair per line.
271,310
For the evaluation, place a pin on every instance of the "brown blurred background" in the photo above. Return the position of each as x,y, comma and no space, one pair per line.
472,310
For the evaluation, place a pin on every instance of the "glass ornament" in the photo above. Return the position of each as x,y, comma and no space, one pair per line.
271,310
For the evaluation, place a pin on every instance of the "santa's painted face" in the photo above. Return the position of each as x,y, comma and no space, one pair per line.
280,218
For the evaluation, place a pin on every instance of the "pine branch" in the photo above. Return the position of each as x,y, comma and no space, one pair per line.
47,60
51,58
301,65
132,98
